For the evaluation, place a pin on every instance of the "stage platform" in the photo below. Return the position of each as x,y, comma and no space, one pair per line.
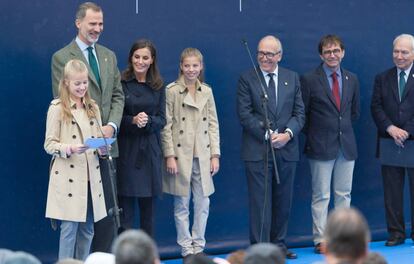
402,254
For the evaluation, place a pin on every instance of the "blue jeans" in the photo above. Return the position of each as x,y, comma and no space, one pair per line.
76,237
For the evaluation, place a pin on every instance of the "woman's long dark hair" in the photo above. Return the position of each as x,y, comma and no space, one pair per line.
153,78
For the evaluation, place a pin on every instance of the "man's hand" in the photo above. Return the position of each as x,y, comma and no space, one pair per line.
279,140
108,131
399,135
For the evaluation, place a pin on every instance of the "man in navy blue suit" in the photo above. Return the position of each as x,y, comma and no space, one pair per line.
392,108
331,98
286,116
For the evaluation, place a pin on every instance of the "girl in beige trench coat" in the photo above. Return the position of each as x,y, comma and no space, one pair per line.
75,194
191,145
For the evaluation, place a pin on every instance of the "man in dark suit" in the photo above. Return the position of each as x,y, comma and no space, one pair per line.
268,201
104,87
331,98
392,109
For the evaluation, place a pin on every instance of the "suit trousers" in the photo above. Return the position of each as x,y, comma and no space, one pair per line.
192,242
104,229
146,213
339,172
271,202
393,180
76,237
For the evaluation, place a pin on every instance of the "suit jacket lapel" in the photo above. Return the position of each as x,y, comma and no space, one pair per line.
345,89
282,85
394,84
103,65
76,53
325,84
409,85
260,82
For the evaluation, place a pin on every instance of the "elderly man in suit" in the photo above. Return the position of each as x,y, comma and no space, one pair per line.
331,98
270,202
392,109
104,87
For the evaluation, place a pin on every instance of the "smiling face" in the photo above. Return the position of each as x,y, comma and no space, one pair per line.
90,27
77,84
191,68
403,54
332,55
269,53
141,61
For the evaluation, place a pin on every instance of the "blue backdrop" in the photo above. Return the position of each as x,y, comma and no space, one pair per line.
31,31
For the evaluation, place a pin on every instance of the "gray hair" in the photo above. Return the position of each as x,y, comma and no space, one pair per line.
404,36
81,13
135,246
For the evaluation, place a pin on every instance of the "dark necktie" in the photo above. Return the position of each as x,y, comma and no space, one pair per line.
94,65
402,84
271,91
335,90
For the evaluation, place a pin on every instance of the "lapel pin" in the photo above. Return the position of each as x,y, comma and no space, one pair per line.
286,83
413,75
346,77
106,59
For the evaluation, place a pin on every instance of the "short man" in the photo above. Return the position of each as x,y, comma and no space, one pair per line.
104,87
286,116
347,236
392,109
135,246
331,98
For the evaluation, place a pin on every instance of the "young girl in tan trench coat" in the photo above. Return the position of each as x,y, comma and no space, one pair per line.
191,146
75,194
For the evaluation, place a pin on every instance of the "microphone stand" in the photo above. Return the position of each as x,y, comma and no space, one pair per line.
265,99
115,210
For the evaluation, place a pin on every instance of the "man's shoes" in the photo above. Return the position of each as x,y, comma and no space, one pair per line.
291,254
318,248
188,258
395,241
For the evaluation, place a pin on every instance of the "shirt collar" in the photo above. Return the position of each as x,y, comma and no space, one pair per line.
82,45
329,72
407,71
73,103
276,71
183,87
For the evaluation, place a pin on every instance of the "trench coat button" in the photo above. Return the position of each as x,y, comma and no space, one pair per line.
92,136
70,195
199,89
100,180
94,152
178,145
183,105
183,118
208,145
73,122
91,123
100,195
74,136
70,180
72,166
97,167
205,131
176,158
56,172
181,131
204,118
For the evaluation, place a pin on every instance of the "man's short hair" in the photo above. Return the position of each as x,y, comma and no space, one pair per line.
406,36
329,40
135,247
81,13
264,253
347,234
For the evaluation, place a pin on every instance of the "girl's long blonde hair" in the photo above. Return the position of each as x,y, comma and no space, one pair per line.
72,67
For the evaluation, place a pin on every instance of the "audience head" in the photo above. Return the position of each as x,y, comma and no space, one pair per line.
191,65
374,258
264,253
70,261
142,64
89,21
269,53
135,247
237,257
20,257
346,235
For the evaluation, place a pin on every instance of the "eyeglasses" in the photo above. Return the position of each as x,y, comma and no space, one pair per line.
329,52
269,55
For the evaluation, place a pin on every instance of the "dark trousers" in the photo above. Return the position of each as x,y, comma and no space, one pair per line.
393,181
104,229
146,212
278,200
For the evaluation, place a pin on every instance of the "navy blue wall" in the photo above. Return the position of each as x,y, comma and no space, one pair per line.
32,30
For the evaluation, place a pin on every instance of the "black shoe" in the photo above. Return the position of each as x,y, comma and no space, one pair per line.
318,248
188,258
291,255
391,242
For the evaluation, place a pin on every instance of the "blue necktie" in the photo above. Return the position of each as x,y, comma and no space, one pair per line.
94,65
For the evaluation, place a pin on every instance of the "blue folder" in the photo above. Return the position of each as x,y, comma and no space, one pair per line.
393,155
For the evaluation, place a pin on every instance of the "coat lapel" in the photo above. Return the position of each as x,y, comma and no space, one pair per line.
103,65
261,81
409,86
76,53
323,79
393,79
282,86
345,89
